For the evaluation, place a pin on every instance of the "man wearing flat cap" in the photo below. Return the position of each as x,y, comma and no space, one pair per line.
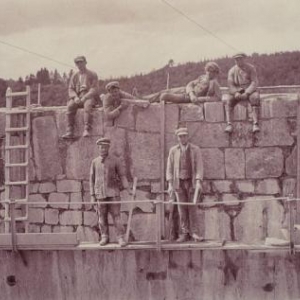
184,173
242,84
106,175
83,89
203,89
113,101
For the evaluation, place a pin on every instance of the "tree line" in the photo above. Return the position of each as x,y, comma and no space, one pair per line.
281,68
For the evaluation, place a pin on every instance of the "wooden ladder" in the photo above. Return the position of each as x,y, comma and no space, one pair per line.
17,144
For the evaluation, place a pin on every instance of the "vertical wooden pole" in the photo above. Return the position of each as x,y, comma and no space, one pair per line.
295,206
39,94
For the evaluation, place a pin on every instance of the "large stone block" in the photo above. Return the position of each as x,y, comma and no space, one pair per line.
143,227
46,229
191,113
242,135
68,186
208,135
47,187
90,218
277,106
268,186
214,111
59,197
86,234
97,125
70,218
127,118
274,132
37,198
240,112
59,228
213,164
51,216
80,154
118,141
33,188
146,207
76,197
45,145
291,163
222,186
235,163
148,120
144,152
264,162
245,186
33,228
36,215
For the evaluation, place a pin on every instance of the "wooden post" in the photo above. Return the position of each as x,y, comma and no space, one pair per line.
295,205
39,94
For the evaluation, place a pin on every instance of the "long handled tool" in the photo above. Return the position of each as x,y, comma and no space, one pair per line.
131,209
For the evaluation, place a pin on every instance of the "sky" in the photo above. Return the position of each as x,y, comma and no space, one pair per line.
128,37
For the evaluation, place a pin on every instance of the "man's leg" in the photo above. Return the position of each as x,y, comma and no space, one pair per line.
102,210
71,112
88,117
182,196
230,102
114,209
175,98
254,100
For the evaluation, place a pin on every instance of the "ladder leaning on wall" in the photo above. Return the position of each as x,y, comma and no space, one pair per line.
17,144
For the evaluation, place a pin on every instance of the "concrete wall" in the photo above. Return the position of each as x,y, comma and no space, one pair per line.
240,166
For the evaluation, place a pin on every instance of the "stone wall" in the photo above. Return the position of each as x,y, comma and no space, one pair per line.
240,166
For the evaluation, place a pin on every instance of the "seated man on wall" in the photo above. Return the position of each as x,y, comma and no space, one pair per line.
203,89
105,175
184,173
242,84
83,89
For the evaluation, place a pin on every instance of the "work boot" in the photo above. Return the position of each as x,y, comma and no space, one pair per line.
182,238
104,240
229,128
86,133
122,242
197,238
255,128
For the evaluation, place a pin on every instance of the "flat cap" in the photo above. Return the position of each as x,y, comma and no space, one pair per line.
239,54
112,84
212,66
103,141
181,131
79,58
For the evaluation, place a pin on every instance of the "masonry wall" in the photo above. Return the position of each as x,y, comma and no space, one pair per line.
241,166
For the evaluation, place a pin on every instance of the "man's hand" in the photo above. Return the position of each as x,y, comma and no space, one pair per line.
77,100
238,96
82,99
93,199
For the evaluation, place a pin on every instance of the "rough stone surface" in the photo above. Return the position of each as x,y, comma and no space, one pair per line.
144,155
86,185
208,135
90,218
33,188
57,229
274,132
268,186
46,229
37,198
33,228
191,113
143,227
279,106
214,111
36,215
240,112
222,186
289,187
70,218
291,163
242,135
126,118
140,195
213,164
68,186
47,187
264,162
59,197
86,234
76,197
44,152
51,216
245,186
82,151
235,163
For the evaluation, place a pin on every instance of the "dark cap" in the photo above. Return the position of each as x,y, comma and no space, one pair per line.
103,141
112,84
79,58
239,54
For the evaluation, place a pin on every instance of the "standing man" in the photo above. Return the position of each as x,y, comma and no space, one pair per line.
106,174
83,89
242,83
184,174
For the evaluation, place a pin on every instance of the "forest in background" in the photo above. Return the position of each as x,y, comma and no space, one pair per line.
282,68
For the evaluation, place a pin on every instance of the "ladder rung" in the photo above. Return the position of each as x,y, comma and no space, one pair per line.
14,129
16,147
16,182
17,201
25,164
16,94
17,111
16,219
